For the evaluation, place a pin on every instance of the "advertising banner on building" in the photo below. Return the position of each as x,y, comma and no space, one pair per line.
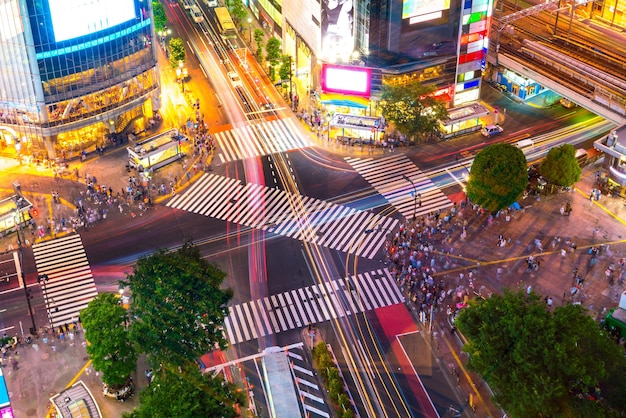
337,28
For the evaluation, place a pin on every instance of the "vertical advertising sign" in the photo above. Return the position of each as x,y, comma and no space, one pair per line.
337,28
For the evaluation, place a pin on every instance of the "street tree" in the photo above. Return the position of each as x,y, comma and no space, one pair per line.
178,306
160,18
498,177
259,36
110,348
177,52
412,108
237,10
284,72
272,54
188,393
542,363
560,166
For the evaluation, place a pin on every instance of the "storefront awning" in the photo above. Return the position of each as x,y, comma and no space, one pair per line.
344,100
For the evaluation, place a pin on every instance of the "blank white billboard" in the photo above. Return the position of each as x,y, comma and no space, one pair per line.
74,18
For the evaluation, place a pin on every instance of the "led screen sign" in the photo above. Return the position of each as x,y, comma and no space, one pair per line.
74,18
427,9
355,81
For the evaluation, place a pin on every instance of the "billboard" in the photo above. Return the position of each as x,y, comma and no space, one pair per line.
355,81
74,18
423,10
337,28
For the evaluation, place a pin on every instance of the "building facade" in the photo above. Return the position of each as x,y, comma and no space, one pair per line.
439,42
74,72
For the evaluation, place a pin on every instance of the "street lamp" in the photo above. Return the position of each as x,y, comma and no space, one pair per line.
417,197
16,219
250,29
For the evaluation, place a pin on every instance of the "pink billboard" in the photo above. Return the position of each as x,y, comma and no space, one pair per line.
356,81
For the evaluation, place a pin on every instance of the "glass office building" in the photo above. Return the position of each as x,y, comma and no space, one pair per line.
73,72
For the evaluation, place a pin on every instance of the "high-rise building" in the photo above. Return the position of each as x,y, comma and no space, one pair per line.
439,42
74,71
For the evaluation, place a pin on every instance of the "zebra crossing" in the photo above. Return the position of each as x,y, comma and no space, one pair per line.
397,179
306,382
260,138
310,305
69,286
300,217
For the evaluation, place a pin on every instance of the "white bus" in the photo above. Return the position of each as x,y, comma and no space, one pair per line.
196,13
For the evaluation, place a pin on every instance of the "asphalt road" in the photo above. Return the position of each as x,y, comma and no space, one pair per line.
287,264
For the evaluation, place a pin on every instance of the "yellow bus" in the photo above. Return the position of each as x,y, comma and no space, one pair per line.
227,27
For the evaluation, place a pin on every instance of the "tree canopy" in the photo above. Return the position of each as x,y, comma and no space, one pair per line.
498,177
188,394
177,52
110,349
560,166
273,50
160,18
412,108
237,9
284,71
178,305
543,363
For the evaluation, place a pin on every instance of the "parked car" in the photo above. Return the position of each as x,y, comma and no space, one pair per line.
491,130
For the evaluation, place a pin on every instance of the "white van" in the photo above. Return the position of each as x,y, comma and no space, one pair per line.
211,3
196,13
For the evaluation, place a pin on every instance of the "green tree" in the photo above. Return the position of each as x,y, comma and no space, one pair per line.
110,348
412,108
259,36
188,393
177,51
178,305
237,10
160,18
560,166
498,177
284,71
540,363
273,54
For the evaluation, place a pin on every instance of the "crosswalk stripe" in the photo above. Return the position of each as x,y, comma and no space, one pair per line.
292,308
387,176
70,285
312,304
305,218
374,297
313,318
235,328
229,329
270,313
298,304
251,320
259,138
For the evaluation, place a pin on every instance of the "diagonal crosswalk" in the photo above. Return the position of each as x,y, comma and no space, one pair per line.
387,176
70,285
310,305
304,218
260,138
